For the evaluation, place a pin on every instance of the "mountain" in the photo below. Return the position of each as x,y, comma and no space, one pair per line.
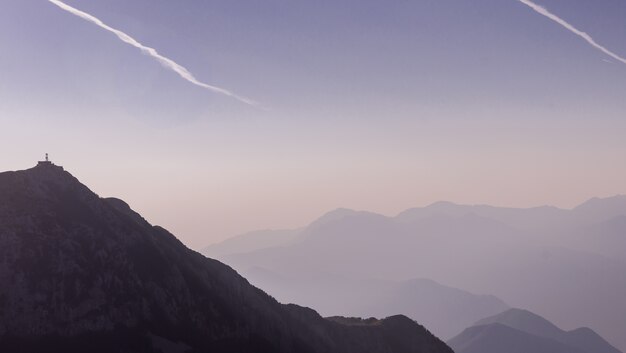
523,320
498,338
607,238
444,310
518,330
601,209
534,258
251,241
583,339
82,273
537,220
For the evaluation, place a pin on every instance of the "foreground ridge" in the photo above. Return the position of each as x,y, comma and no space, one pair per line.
83,273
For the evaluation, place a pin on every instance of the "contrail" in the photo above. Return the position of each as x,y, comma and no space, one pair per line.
543,11
166,62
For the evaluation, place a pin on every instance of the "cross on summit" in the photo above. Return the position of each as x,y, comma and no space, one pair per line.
45,162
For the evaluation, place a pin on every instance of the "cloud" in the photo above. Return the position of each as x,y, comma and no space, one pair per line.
166,62
543,11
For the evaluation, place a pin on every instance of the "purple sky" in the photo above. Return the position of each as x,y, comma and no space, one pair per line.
366,104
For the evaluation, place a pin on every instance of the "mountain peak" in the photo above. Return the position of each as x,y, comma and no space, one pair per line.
496,337
443,205
45,181
43,172
583,339
601,209
523,320
46,169
339,214
83,273
602,201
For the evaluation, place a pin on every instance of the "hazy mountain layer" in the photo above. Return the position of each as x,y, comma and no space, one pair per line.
518,330
251,242
546,259
445,311
498,338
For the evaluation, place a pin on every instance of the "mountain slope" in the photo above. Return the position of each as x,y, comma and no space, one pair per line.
498,338
583,339
81,273
601,209
523,320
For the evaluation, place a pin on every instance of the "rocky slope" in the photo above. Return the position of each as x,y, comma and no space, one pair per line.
81,273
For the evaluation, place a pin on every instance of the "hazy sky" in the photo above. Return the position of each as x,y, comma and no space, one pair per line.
375,105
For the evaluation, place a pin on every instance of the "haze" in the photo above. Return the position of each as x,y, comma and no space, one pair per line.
369,105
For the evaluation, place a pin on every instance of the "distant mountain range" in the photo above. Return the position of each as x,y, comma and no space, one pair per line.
80,273
520,331
252,241
445,311
546,259
595,218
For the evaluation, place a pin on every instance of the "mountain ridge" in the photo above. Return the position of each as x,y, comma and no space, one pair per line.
83,273
496,338
536,267
583,338
439,208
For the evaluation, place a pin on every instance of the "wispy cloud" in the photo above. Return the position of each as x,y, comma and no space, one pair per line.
166,62
543,11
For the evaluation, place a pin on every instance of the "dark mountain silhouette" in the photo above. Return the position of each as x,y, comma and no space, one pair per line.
518,330
80,273
530,258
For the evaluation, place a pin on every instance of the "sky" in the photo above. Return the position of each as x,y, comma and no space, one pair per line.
365,104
